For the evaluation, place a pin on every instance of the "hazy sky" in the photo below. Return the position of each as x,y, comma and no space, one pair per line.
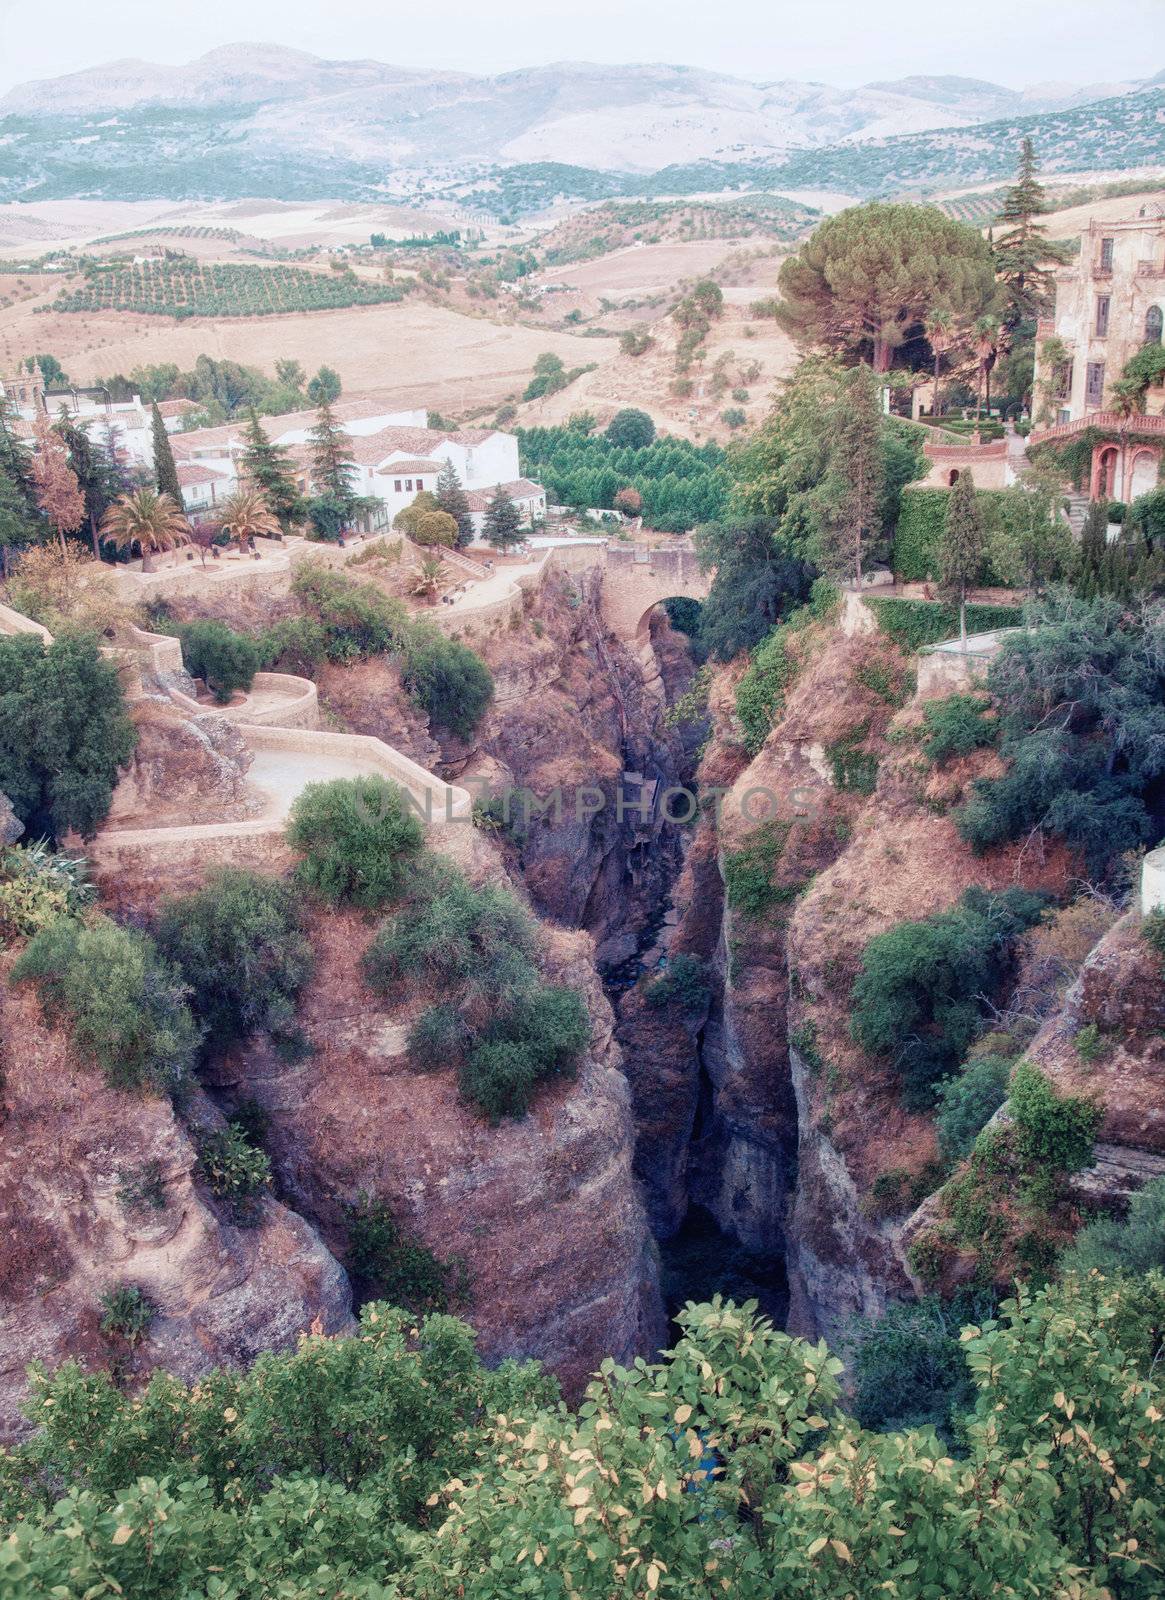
832,41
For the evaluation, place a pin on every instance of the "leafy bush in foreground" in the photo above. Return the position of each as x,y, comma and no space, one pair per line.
1135,1243
966,1104
393,1466
955,726
449,681
124,1005
357,836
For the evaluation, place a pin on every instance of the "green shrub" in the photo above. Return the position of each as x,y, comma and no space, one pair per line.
913,624
235,1172
854,768
760,694
64,733
967,1103
142,1188
127,1313
36,887
922,525
438,1038
357,836
922,990
223,659
357,619
542,1035
388,1265
909,1369
449,681
125,1006
453,936
683,983
1052,1130
1133,1244
1090,1043
295,644
955,726
748,872
241,947
889,681
1153,932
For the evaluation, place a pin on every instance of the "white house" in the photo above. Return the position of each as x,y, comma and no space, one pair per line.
128,419
396,457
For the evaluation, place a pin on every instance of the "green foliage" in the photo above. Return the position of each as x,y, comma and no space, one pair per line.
226,661
913,624
1135,1243
680,484
453,936
64,733
355,619
749,872
1153,931
1079,699
448,680
955,726
760,694
236,1173
240,946
630,429
918,538
394,1465
127,1314
124,1005
184,287
502,526
909,1368
357,836
966,1103
387,1264
36,887
540,1036
854,768
142,1189
1052,1130
758,582
683,984
921,992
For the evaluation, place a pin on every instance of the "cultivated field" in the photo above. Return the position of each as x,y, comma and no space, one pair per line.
413,353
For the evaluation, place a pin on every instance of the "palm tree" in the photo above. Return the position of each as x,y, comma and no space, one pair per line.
986,343
939,325
428,578
245,513
147,519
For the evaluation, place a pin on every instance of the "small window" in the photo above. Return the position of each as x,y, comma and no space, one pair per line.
1063,415
408,486
1106,255
420,484
1094,386
396,485
1153,322
1103,301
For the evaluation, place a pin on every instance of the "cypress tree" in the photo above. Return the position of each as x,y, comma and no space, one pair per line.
165,470
1091,564
15,458
502,524
961,552
268,467
452,499
91,468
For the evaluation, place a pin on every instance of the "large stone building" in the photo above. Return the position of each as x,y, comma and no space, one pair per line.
1109,303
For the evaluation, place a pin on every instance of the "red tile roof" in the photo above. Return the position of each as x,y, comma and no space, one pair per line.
520,489
191,473
412,464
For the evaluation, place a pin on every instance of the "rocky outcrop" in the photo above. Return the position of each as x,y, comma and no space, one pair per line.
184,769
71,1150
11,826
368,697
543,1214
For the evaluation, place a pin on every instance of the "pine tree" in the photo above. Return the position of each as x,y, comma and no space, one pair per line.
961,552
334,471
16,526
92,470
1091,563
121,479
15,460
165,469
452,499
850,489
267,466
1024,255
502,523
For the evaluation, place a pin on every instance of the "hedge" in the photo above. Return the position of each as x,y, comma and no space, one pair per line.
921,523
913,624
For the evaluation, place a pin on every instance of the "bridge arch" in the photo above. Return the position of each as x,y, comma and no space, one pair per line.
637,578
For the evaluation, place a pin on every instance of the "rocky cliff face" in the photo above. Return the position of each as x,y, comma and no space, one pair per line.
70,1151
543,1214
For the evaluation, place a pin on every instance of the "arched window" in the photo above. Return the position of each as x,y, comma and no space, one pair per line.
954,477
1153,322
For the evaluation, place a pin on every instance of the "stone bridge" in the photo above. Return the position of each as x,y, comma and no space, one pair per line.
638,577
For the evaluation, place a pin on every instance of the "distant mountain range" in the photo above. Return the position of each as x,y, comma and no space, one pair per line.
260,119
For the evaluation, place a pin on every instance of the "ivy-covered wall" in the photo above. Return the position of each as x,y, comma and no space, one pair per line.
912,624
920,530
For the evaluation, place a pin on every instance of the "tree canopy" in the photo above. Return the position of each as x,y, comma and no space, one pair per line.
864,281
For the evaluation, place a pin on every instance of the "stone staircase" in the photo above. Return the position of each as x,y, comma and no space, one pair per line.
1076,511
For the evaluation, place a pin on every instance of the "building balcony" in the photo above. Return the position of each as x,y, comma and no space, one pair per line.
1150,269
1104,422
1099,270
